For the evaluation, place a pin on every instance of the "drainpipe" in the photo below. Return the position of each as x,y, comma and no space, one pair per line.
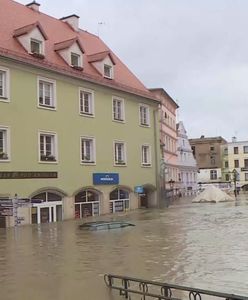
157,159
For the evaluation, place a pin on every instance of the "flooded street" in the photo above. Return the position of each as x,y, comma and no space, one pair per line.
199,245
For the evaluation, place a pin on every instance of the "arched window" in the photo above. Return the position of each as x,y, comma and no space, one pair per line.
87,196
47,207
47,197
119,200
87,203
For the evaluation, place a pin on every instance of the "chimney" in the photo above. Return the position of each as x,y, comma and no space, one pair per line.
234,139
72,20
34,5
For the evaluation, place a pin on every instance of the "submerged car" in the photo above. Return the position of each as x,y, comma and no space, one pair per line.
103,225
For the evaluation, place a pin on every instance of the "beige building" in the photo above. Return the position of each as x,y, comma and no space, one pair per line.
168,140
208,154
235,157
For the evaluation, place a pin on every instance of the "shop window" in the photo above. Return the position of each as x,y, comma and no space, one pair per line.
119,200
87,203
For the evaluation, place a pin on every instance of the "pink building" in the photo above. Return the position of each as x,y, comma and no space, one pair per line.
168,139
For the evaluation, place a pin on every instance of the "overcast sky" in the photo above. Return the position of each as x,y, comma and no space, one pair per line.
197,50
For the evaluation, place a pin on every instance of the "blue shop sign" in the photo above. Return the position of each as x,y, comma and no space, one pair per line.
139,189
105,178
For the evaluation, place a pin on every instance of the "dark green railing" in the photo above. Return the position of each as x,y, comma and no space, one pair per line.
128,287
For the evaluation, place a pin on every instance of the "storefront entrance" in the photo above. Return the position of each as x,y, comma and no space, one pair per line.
46,208
119,200
144,200
87,204
2,222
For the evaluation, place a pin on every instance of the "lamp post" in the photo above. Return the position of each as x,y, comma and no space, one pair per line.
235,173
162,174
171,183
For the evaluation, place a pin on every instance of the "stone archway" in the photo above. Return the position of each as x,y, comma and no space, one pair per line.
148,199
47,206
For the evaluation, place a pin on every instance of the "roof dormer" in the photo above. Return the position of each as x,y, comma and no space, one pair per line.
72,52
32,37
103,63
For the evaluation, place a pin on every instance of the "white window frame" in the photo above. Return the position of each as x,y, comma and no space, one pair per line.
123,161
213,174
79,60
6,144
110,71
144,116
115,112
146,162
53,101
54,150
5,96
91,105
92,160
41,46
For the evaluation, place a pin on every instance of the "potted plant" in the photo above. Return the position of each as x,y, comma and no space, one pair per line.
3,155
47,157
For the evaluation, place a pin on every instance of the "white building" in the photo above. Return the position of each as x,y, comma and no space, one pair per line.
186,163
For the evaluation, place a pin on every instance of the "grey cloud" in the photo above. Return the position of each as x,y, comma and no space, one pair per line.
197,50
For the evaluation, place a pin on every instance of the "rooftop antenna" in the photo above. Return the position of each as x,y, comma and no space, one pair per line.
99,24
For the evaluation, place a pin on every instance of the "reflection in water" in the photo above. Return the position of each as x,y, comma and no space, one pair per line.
200,245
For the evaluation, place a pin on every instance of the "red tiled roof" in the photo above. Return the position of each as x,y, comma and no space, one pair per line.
161,92
100,56
67,44
14,15
26,29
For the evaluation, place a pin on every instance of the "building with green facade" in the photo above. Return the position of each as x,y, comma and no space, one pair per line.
78,131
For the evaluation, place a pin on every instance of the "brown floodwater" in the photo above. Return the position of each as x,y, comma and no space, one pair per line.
198,245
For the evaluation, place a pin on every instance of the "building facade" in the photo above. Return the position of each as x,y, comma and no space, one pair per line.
235,157
187,166
208,154
78,131
168,140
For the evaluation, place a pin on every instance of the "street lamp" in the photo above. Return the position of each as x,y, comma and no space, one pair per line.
235,173
162,174
171,183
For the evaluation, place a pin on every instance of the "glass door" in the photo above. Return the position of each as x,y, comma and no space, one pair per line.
44,214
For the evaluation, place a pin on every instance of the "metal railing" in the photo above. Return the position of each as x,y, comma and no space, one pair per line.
130,287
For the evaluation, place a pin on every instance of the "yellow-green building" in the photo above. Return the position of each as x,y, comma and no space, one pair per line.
78,131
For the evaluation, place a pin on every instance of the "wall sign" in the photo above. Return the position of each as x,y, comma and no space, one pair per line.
28,175
139,189
105,178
